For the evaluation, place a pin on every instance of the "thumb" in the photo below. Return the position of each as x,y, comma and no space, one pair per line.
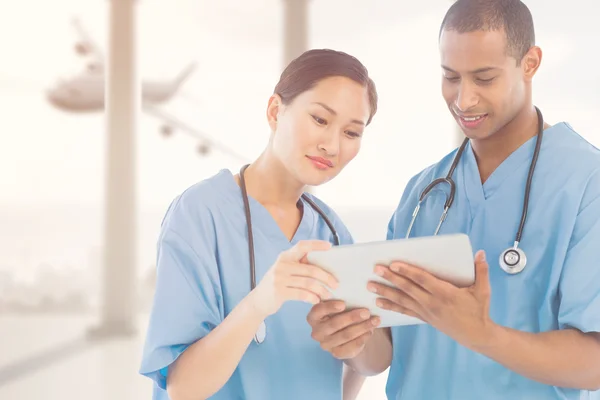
300,250
482,274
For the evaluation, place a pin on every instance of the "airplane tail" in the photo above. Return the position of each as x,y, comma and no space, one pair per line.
183,76
159,92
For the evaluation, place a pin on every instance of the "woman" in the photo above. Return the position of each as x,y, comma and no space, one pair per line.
212,333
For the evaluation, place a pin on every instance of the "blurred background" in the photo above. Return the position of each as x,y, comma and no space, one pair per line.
73,172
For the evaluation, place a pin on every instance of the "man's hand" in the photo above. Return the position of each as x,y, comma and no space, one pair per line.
342,333
461,313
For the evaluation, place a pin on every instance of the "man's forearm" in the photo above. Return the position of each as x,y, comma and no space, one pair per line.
565,358
376,357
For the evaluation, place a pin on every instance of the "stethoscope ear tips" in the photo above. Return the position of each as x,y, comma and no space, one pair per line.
513,260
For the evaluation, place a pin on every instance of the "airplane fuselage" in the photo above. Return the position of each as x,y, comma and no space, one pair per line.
86,93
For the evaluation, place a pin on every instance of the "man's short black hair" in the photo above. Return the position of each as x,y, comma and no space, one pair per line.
511,16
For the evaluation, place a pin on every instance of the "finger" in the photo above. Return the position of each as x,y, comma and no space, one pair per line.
351,349
482,275
391,306
297,252
350,333
311,271
301,295
419,276
324,309
400,297
338,322
400,282
309,284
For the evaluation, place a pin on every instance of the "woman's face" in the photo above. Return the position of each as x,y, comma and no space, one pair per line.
320,131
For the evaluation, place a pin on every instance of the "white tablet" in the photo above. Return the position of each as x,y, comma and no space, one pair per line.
448,257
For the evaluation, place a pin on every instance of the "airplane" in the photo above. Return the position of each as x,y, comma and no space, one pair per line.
85,93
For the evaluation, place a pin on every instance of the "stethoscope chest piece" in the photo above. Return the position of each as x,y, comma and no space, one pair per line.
513,260
261,333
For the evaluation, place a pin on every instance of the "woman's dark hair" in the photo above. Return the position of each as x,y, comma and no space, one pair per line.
304,72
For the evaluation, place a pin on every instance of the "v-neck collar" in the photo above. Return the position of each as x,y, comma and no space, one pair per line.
263,222
518,159
269,227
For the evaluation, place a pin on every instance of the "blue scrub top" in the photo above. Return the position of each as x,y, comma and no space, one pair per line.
203,272
559,288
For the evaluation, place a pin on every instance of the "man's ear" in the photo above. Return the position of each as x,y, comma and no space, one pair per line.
531,62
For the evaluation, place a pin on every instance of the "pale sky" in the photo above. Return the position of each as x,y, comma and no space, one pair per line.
48,156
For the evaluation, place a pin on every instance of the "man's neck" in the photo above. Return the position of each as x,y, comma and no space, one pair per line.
492,151
269,182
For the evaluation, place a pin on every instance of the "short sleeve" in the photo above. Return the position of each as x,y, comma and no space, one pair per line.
579,286
187,301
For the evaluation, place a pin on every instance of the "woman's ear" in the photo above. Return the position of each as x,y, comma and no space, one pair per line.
273,110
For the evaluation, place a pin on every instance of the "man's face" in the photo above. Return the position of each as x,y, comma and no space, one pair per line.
483,86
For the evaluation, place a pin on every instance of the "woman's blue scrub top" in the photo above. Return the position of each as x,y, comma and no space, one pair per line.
203,272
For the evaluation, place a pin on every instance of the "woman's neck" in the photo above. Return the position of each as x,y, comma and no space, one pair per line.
269,183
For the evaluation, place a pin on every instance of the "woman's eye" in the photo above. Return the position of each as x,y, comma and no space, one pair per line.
318,120
353,134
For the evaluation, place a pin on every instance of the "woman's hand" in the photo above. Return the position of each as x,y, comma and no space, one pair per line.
292,278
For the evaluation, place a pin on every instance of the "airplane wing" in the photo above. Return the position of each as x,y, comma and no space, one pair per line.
86,46
193,132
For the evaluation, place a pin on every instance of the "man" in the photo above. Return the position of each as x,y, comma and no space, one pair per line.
526,335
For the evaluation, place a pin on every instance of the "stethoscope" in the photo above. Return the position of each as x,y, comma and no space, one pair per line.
513,259
260,335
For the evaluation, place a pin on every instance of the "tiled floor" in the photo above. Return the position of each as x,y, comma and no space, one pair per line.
44,358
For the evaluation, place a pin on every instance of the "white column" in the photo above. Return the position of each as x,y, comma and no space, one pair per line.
122,94
458,136
295,34
295,29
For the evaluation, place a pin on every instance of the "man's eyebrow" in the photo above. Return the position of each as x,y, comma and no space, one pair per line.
477,71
